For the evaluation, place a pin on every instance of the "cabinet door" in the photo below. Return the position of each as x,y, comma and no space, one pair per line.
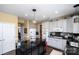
69,25
49,42
59,44
75,27
54,26
1,46
50,26
60,25
64,25
9,37
63,44
54,43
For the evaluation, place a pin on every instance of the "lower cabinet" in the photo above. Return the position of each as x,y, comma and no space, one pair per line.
49,42
57,43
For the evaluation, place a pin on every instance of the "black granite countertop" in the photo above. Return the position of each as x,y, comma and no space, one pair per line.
27,47
62,37
71,50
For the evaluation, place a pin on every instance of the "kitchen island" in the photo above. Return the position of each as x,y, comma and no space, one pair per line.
31,48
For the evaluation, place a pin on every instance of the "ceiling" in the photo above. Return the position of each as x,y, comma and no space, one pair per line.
44,11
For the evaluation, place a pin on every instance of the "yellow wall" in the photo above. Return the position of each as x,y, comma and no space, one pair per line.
8,18
29,24
26,25
21,20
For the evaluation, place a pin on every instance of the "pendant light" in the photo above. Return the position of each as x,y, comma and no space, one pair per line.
34,10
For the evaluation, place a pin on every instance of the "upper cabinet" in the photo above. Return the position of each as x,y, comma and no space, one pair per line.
51,26
70,25
54,26
45,30
75,24
58,26
75,27
64,25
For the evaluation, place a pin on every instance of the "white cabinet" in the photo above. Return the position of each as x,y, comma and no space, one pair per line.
75,24
57,43
75,27
45,30
61,44
58,26
8,37
64,25
49,42
70,25
51,26
64,44
54,26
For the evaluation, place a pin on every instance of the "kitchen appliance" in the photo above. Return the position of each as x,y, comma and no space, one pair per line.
75,44
77,38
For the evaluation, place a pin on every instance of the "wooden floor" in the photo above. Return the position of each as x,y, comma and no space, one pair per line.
48,51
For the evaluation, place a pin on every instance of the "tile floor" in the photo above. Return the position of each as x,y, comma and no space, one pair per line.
55,52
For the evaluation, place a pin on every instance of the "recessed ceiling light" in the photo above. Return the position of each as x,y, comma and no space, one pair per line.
34,21
56,12
43,16
26,15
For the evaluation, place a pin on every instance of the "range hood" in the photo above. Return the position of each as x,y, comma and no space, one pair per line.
76,9
76,14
